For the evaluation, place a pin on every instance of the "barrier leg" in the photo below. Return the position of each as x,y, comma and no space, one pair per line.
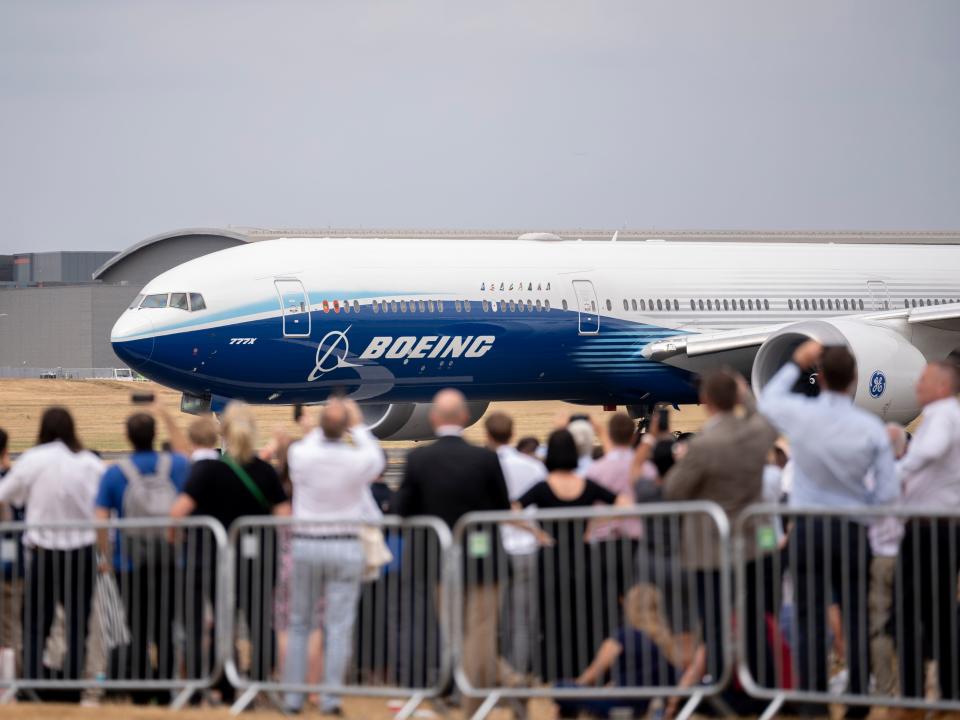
689,707
489,704
244,700
409,707
773,708
183,697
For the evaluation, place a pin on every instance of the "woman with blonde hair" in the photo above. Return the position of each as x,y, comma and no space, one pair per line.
644,654
238,485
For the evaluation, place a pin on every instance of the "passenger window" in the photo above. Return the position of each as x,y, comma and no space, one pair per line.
376,307
422,306
346,306
806,305
520,305
429,305
709,304
609,304
564,302
790,304
700,304
659,305
403,306
766,304
822,306
626,304
457,306
136,303
503,306
440,306
725,306
860,303
356,306
155,301
750,304
484,305
643,305
513,306
742,307
539,307
676,304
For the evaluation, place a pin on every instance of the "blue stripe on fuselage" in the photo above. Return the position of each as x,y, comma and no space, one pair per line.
534,356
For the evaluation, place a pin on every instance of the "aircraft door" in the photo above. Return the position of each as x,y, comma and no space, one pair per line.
587,307
879,295
295,307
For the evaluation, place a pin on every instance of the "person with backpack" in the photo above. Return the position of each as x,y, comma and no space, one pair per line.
145,485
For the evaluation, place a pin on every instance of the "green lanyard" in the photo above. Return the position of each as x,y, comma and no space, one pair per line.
247,480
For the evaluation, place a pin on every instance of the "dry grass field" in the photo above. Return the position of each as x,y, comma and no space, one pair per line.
101,406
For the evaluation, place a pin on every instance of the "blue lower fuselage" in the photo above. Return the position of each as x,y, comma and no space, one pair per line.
537,355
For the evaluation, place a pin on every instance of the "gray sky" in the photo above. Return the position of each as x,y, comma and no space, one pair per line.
123,119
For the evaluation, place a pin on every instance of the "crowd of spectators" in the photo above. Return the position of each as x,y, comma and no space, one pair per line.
623,600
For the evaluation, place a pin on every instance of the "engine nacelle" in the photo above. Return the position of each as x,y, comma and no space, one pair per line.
888,364
408,421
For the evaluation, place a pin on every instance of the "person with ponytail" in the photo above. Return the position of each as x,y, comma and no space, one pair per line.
238,485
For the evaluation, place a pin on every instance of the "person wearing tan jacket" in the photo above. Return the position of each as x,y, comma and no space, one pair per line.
724,464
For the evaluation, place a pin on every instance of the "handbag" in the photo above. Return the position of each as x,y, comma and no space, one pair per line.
376,554
110,612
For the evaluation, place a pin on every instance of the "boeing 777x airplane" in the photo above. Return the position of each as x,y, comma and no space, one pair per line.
389,322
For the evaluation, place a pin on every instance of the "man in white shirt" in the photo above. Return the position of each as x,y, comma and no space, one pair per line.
928,560
329,478
521,472
885,535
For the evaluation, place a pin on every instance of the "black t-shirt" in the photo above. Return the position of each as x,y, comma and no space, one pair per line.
542,496
221,494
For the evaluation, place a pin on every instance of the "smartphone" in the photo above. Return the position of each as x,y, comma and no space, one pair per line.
142,398
297,412
663,420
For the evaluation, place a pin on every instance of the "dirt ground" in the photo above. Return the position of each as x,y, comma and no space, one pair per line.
354,708
101,406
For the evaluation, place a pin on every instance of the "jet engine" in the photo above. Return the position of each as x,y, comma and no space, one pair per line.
888,364
408,421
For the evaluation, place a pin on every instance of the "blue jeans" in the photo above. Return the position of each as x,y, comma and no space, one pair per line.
331,568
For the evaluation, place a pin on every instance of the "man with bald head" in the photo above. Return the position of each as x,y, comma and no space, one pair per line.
448,479
928,560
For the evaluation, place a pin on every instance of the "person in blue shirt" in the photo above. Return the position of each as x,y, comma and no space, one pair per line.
835,446
144,484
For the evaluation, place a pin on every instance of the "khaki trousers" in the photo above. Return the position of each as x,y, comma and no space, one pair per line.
480,634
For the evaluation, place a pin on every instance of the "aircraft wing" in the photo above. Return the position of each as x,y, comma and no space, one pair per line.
677,348
709,343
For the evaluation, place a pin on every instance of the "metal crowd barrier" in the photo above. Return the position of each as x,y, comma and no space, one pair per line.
132,622
858,601
382,635
552,603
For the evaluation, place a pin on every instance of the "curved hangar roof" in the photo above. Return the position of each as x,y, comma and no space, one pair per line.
140,263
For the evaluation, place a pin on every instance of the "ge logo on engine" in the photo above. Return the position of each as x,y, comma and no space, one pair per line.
878,383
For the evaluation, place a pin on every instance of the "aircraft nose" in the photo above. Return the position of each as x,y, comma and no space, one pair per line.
132,338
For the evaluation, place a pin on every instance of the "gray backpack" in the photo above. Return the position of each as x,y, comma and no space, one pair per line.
148,495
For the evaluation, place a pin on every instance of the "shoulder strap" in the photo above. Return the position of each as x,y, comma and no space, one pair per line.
129,469
164,466
246,479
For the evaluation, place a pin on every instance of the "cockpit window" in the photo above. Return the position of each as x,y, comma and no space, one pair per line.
196,302
179,301
155,301
136,302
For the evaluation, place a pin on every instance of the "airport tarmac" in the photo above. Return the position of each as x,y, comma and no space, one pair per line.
100,408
